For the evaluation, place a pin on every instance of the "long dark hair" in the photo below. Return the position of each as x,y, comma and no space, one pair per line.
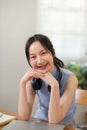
46,43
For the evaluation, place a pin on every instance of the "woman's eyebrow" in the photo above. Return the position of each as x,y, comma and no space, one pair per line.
40,52
43,50
32,54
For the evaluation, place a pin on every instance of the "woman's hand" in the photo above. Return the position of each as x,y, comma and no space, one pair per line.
31,73
49,79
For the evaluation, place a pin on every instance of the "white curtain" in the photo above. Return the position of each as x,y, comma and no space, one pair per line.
65,23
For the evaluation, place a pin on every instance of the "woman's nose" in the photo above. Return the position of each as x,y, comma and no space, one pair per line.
39,60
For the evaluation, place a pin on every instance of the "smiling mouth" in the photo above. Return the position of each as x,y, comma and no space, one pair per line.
42,67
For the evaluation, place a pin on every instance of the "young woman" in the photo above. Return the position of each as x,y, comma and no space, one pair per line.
46,77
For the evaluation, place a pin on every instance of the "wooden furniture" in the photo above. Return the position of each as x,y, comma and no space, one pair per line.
81,97
81,101
67,127
86,117
8,113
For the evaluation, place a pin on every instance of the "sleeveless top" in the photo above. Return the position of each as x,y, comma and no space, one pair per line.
44,98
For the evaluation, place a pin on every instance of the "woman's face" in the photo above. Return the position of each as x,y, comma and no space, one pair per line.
40,58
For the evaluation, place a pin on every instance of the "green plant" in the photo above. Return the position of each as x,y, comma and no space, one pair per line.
80,72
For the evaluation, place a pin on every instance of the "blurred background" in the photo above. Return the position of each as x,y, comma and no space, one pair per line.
63,21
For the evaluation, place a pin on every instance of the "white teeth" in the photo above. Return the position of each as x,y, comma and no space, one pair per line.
41,67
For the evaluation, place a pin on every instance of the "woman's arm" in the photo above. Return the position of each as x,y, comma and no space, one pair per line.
25,102
58,107
26,96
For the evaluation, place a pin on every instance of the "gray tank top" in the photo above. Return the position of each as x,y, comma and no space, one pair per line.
44,98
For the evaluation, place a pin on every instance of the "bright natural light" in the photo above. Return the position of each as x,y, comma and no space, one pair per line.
65,22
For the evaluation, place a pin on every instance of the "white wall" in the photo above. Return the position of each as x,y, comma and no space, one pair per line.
17,23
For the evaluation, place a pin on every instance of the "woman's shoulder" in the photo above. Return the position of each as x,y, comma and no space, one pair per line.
66,71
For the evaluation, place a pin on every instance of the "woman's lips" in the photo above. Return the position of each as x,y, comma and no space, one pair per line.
42,67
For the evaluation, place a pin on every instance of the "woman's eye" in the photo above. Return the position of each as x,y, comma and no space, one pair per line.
44,52
32,57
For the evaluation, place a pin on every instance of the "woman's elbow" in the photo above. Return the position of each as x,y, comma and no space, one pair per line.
54,121
57,119
23,117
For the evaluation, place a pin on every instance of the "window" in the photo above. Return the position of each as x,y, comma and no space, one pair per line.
65,22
